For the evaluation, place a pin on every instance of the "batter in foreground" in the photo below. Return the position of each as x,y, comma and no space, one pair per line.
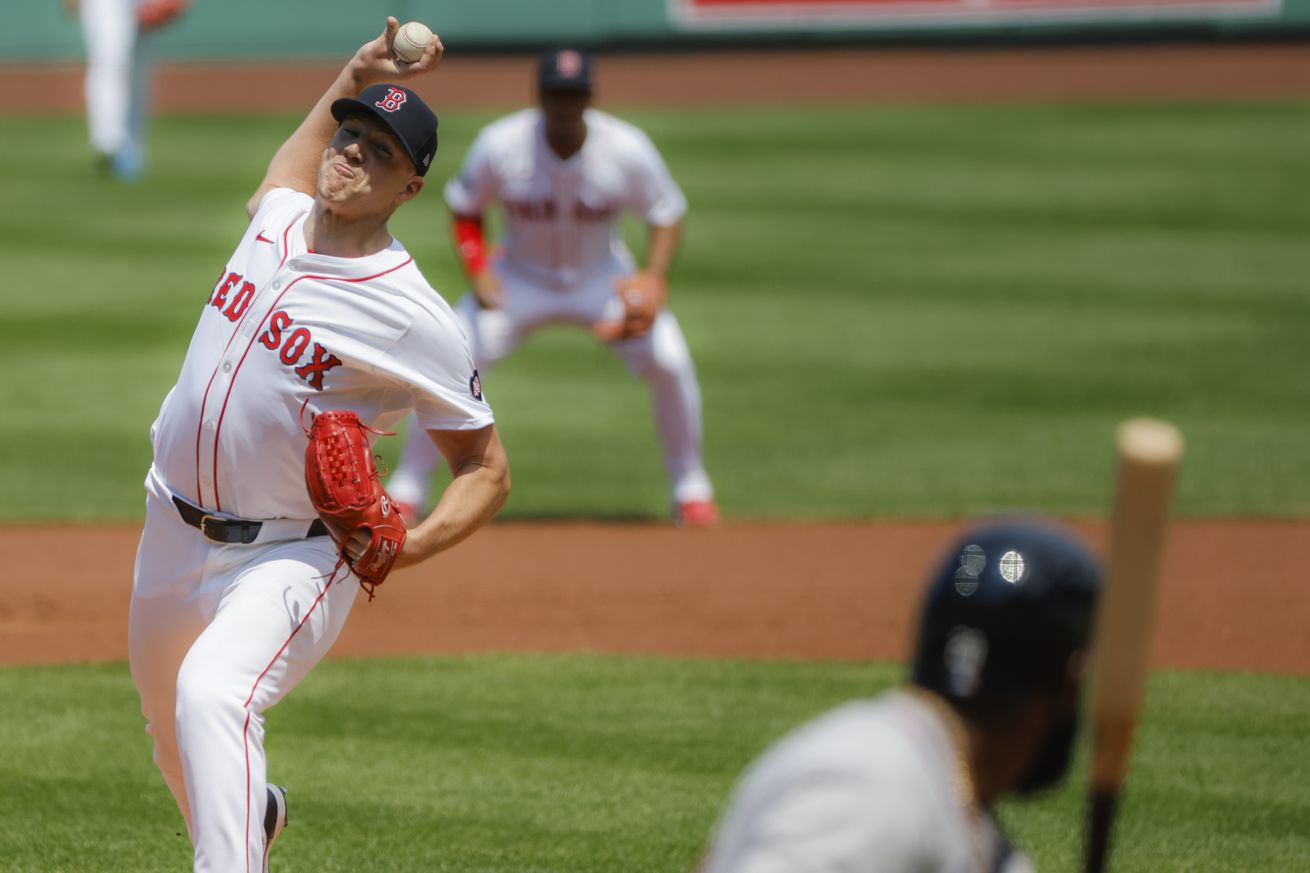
907,782
238,592
565,174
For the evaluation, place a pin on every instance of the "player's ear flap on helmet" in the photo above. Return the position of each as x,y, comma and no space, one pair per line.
964,656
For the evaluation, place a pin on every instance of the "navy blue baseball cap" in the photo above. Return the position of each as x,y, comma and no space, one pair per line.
564,69
403,112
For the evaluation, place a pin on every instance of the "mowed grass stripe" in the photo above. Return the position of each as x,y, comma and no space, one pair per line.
590,763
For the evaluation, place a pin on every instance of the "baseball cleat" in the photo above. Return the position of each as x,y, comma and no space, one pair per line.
127,165
697,513
275,818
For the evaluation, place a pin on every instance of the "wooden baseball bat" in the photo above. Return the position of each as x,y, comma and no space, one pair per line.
1149,451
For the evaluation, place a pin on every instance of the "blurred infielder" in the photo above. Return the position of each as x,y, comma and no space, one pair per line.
238,592
906,782
565,174
116,33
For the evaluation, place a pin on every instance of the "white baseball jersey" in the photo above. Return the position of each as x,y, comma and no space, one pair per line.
869,787
285,327
561,216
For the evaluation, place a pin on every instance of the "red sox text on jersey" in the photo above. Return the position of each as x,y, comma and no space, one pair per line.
545,210
292,344
283,324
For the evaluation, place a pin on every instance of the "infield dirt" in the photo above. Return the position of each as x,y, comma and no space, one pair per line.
1233,594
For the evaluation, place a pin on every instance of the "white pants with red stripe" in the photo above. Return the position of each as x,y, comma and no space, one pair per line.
216,635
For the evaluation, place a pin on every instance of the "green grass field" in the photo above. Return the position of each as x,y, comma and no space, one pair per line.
894,311
926,311
569,764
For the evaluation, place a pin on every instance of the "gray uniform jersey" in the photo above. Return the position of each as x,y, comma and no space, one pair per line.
868,787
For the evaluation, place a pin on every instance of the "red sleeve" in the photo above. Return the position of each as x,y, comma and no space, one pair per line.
469,243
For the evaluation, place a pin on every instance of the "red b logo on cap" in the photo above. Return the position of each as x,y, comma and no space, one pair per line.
394,100
568,64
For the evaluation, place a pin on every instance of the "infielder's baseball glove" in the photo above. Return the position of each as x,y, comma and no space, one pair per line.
153,14
346,490
643,296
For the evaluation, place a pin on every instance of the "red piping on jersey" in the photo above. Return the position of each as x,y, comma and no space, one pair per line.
286,244
245,730
200,494
218,503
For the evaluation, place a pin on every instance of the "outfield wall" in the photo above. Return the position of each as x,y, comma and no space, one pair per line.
215,29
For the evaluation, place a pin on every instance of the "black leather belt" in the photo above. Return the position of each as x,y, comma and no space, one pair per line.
230,530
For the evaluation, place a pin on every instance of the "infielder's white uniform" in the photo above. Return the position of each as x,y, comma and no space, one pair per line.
561,254
219,633
870,787
117,81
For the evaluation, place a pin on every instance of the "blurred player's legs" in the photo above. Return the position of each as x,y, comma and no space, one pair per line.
409,482
116,84
661,358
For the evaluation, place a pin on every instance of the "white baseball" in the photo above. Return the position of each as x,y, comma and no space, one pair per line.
411,41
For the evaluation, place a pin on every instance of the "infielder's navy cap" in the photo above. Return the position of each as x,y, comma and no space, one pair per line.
564,69
401,110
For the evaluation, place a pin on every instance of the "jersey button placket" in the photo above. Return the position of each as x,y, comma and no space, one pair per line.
568,224
209,432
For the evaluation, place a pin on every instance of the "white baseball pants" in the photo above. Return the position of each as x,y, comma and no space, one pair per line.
216,635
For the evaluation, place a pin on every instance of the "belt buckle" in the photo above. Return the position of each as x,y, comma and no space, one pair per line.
204,528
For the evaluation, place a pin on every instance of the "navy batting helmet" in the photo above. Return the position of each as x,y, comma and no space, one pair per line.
1009,606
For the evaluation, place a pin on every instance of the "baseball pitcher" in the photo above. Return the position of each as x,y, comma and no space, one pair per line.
263,506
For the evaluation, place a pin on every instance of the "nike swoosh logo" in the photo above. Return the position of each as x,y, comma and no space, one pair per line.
259,237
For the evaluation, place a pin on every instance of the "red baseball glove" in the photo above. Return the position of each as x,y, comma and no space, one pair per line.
153,14
346,490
